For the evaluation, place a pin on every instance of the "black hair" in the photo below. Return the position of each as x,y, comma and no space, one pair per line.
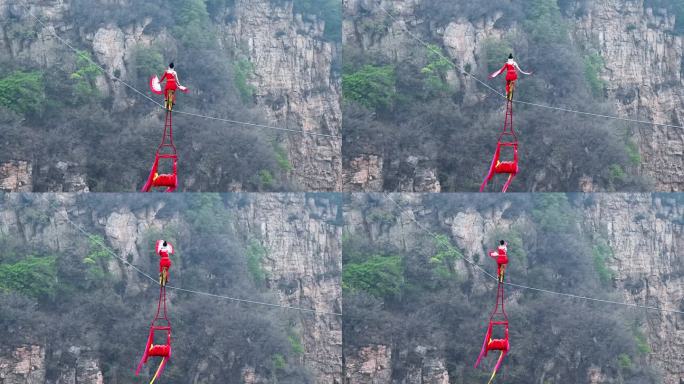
164,243
171,65
502,242
510,56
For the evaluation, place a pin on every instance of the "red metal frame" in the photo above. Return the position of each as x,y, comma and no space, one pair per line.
504,167
165,151
497,318
160,323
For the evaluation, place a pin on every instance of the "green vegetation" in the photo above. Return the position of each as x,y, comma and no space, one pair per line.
642,343
552,212
193,26
296,344
602,252
371,86
434,73
32,276
95,258
255,254
443,260
243,69
516,246
281,158
380,276
593,64
544,21
495,53
633,153
23,92
266,179
617,174
207,211
279,361
83,79
624,361
148,61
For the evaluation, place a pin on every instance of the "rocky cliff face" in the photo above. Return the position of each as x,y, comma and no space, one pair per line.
294,78
644,231
642,71
646,235
300,233
305,255
293,71
643,77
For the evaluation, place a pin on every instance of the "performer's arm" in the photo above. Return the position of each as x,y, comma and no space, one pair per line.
497,73
521,71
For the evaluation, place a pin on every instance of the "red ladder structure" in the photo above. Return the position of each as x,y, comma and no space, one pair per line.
166,151
160,324
507,140
498,320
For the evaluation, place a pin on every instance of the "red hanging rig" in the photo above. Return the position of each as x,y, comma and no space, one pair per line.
160,324
167,156
507,143
496,338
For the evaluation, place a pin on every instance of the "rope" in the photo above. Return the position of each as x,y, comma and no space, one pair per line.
520,286
140,271
101,68
464,72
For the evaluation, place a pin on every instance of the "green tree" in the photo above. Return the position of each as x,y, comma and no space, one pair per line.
544,22
193,23
148,61
593,64
83,78
94,260
371,86
434,73
255,254
242,71
33,276
23,92
443,260
380,276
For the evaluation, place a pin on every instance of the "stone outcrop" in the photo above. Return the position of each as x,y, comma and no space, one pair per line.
16,176
371,365
24,364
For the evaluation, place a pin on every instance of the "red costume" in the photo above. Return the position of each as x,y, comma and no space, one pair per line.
164,249
170,88
511,68
501,259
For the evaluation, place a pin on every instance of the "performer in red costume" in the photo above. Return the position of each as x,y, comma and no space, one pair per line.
172,84
501,259
164,250
511,68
